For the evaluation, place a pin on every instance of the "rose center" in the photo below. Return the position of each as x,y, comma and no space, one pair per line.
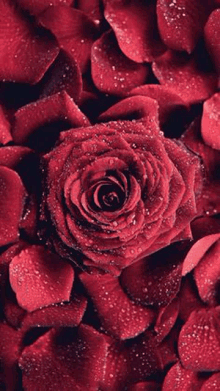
110,197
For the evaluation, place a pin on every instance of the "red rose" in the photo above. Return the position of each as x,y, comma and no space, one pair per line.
119,191
118,103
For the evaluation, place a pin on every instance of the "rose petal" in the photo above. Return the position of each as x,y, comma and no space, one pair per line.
92,9
212,37
31,119
11,156
12,195
166,319
57,315
112,71
207,275
209,203
5,128
183,76
25,55
135,27
74,31
9,353
64,74
181,22
168,102
145,386
135,361
205,226
179,378
199,339
64,357
212,384
189,299
210,127
40,278
135,107
197,251
157,284
35,7
119,315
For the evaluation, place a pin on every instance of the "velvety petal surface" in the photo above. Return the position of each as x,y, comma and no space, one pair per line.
181,22
57,315
5,128
12,195
135,27
119,315
210,126
10,344
64,75
26,53
35,7
74,31
207,275
179,378
64,357
112,71
183,75
212,384
197,251
40,278
199,339
212,37
34,116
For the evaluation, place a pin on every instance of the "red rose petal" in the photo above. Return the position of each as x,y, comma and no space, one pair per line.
167,100
145,386
179,378
74,30
12,156
212,37
207,275
134,362
205,226
118,314
64,74
166,319
112,71
44,111
92,9
135,107
9,353
58,315
181,22
157,284
25,55
210,126
40,278
5,128
189,299
134,24
25,163
70,358
199,341
35,7
197,251
212,384
209,203
12,195
183,76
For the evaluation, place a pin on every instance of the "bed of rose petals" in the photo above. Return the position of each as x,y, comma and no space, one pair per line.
110,195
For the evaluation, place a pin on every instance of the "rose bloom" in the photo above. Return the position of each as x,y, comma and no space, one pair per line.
110,195
119,191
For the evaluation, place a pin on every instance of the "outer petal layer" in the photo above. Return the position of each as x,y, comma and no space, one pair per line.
40,278
25,55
